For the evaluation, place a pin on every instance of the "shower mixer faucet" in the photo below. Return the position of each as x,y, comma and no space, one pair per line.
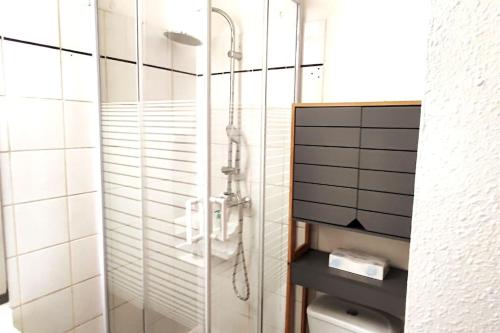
229,170
225,202
234,54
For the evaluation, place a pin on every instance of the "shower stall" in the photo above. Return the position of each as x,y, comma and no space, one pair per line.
195,126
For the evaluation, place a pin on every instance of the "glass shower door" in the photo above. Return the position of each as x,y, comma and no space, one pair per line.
151,112
121,166
176,154
181,152
172,127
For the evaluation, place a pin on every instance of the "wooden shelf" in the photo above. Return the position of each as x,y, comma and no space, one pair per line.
311,270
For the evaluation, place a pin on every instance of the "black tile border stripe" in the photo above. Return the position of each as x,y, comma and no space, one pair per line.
31,43
169,69
200,75
260,69
149,65
132,62
77,52
45,46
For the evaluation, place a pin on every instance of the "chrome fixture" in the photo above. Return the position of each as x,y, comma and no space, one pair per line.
232,197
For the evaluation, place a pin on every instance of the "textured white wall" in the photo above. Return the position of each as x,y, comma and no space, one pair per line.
455,250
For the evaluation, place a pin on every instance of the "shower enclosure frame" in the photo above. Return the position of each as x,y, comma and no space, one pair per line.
205,155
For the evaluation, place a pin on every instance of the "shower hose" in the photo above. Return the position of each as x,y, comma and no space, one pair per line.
240,252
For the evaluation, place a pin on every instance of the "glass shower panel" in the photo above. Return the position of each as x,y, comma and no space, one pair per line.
172,85
235,174
121,165
280,96
152,124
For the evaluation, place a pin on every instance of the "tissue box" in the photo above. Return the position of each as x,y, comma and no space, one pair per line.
359,263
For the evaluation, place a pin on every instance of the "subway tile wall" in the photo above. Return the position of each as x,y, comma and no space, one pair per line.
49,165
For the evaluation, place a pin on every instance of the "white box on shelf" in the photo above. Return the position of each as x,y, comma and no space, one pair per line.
360,263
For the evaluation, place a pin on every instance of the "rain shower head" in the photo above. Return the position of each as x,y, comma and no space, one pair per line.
179,34
182,38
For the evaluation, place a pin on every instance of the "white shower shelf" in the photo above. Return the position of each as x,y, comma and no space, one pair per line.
194,251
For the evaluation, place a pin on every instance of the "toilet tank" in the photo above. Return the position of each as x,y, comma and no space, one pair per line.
328,314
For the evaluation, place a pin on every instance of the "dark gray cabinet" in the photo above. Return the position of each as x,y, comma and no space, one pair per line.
354,166
326,116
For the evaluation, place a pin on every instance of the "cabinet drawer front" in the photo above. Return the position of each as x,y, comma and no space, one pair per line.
325,175
386,224
386,202
323,213
346,157
327,136
386,181
328,116
391,116
325,194
403,161
397,139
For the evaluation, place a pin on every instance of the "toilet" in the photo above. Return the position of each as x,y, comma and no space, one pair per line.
328,314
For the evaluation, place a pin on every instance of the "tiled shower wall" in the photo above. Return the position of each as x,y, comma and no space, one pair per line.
49,165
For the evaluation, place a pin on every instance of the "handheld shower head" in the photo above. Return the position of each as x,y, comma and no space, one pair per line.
233,133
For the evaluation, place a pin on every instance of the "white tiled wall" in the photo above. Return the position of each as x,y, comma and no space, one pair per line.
78,76
76,19
39,24
32,71
49,165
40,224
44,131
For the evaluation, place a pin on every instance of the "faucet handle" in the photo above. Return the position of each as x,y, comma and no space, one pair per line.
235,54
229,170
